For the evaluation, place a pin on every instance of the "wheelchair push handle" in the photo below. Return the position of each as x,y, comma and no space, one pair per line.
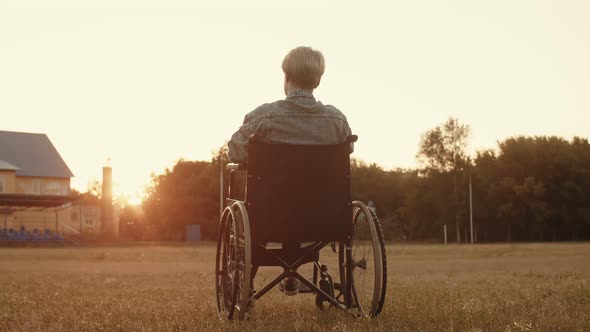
244,166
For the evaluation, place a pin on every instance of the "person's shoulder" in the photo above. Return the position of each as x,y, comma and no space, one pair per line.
273,108
334,111
258,113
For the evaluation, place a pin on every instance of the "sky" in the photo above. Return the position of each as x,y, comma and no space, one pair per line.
146,83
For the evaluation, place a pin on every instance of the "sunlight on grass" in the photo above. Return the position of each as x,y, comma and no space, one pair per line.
526,287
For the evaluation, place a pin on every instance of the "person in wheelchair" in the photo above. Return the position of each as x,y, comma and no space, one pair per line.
296,153
298,119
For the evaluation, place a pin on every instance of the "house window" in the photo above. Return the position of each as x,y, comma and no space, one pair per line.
52,188
36,186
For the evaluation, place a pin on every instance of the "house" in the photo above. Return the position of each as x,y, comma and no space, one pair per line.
30,164
35,188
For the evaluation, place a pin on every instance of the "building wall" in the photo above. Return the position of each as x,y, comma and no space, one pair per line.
39,220
7,181
84,219
42,186
87,220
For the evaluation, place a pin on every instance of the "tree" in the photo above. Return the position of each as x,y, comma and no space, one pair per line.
94,188
386,189
534,187
186,194
442,150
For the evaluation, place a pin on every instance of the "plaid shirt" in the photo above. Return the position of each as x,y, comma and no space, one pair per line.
299,119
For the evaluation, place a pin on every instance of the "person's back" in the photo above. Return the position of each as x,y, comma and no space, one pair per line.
299,119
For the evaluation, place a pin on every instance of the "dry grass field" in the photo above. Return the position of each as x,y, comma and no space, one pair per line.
521,287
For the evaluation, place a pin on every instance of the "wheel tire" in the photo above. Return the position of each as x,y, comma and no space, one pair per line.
233,263
384,257
373,305
223,288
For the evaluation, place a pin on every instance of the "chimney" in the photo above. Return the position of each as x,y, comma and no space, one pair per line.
107,218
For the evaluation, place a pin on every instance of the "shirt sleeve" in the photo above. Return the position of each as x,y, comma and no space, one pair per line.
238,145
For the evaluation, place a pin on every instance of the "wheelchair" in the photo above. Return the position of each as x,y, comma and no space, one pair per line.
299,194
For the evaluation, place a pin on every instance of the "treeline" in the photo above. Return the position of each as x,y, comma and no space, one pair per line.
531,189
528,189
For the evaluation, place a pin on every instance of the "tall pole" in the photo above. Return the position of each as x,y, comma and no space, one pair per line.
455,208
470,209
220,187
445,231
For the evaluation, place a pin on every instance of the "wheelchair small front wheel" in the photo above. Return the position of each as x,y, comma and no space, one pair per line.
367,262
233,263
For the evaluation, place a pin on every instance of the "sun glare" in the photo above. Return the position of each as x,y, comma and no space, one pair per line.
127,196
135,201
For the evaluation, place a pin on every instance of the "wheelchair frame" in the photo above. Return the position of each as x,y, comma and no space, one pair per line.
238,253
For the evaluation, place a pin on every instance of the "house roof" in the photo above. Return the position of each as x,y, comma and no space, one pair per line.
27,201
6,166
33,155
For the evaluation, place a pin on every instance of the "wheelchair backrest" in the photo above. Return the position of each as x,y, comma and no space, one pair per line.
299,193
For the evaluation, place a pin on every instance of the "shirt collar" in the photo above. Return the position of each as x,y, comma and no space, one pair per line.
301,94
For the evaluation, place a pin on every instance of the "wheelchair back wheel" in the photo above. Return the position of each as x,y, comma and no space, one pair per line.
366,262
233,263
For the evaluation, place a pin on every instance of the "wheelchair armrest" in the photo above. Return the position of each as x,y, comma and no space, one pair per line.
352,139
236,167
